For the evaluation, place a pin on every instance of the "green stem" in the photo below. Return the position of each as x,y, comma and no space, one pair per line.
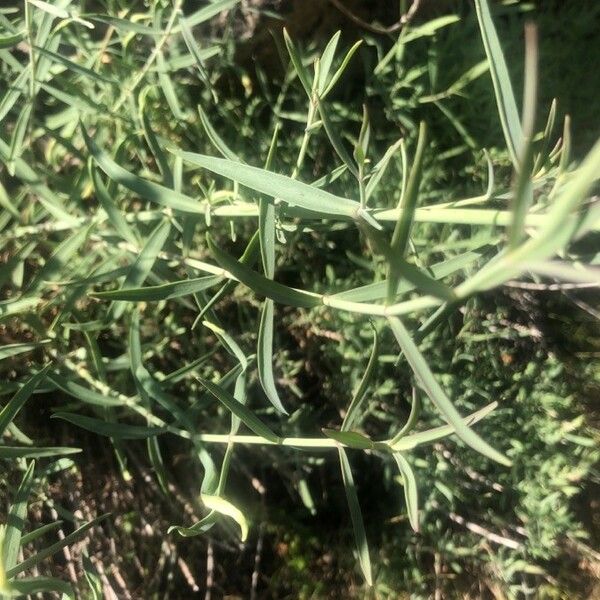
128,90
29,27
297,442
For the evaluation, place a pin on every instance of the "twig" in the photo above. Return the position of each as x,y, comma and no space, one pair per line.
549,287
107,589
187,574
583,305
210,570
257,560
404,19
488,535
260,488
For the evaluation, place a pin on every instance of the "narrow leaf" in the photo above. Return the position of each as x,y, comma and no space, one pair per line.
9,412
438,396
115,430
115,216
86,395
360,535
11,39
355,409
55,11
54,267
13,452
340,71
299,68
208,12
41,555
242,412
408,202
327,61
278,186
75,67
145,189
226,508
410,490
18,136
260,284
15,522
523,194
34,585
505,98
144,262
165,291
11,350
264,355
215,138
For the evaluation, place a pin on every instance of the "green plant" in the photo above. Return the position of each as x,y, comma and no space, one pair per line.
83,250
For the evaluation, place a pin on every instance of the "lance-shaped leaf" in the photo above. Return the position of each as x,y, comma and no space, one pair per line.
215,138
438,396
242,412
264,350
11,350
415,411
15,523
358,525
14,92
210,10
354,413
115,216
9,412
148,190
226,508
55,265
299,68
13,452
278,186
27,586
378,290
410,490
523,189
264,355
505,97
115,430
165,291
18,137
407,207
351,439
408,442
144,262
260,284
83,393
41,555
73,66
195,51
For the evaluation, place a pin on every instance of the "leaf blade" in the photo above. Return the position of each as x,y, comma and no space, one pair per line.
360,536
438,396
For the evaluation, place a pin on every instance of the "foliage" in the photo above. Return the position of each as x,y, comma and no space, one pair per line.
244,276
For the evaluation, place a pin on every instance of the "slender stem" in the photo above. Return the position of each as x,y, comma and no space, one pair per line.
362,190
310,118
241,210
29,27
297,442
129,402
128,90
